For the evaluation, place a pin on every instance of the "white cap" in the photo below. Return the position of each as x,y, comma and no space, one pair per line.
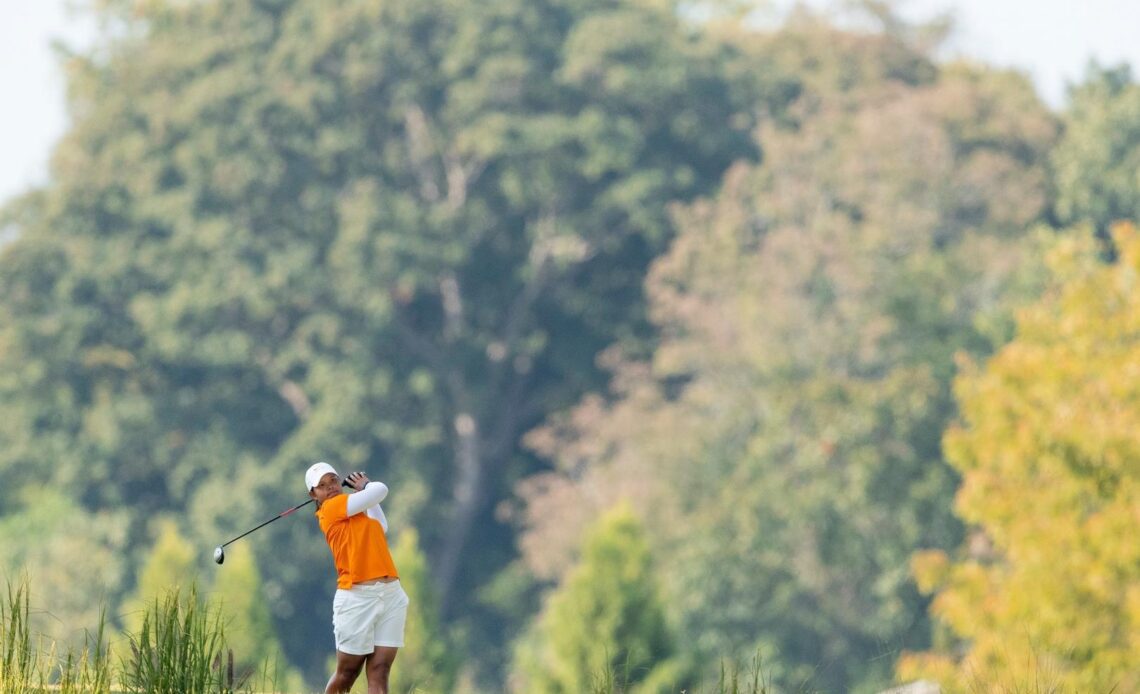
314,474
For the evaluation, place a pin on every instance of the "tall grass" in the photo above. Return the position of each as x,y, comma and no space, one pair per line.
733,679
180,649
26,668
89,672
19,661
753,681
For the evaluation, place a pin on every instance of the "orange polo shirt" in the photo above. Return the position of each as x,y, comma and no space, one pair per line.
359,547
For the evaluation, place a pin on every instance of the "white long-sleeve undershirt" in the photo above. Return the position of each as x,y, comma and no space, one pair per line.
368,500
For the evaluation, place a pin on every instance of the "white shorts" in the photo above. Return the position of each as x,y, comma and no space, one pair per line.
366,616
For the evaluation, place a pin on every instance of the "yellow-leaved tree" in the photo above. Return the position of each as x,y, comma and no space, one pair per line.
1045,593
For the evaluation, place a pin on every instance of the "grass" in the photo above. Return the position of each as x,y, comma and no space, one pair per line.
180,649
733,679
26,667
19,662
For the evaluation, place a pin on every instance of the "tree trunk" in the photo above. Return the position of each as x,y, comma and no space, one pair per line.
469,493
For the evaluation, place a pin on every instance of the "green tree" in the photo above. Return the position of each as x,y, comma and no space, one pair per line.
1096,161
787,429
71,558
170,568
239,595
391,234
242,604
605,621
1044,592
428,663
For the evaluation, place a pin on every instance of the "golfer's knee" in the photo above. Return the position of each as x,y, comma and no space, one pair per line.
380,667
346,676
341,682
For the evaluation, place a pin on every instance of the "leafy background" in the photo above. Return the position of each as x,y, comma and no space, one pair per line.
677,339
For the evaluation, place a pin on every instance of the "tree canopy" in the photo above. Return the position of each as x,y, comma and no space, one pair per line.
532,261
784,440
390,234
1097,158
1044,592
606,623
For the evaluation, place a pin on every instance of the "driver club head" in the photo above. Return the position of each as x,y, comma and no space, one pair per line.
219,554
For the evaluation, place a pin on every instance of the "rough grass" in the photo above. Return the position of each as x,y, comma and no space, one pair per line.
180,649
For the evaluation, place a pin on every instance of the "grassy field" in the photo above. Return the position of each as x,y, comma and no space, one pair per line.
180,649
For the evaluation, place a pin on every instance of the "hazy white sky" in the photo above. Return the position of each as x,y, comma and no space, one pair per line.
1052,40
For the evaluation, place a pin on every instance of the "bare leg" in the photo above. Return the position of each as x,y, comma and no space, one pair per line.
379,667
347,670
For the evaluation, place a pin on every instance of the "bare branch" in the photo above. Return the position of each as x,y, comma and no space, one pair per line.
291,393
428,158
421,150
460,175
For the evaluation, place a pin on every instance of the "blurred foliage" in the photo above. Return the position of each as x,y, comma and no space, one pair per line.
29,663
605,619
235,593
393,235
69,556
720,272
783,444
244,610
429,661
169,568
1097,159
1045,589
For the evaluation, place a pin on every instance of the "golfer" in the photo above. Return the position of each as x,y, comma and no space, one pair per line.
370,606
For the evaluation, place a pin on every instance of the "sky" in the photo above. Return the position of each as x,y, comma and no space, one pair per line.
1051,40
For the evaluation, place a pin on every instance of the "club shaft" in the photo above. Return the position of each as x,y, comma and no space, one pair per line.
279,515
284,513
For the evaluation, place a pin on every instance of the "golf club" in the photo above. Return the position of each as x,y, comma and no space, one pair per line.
220,554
